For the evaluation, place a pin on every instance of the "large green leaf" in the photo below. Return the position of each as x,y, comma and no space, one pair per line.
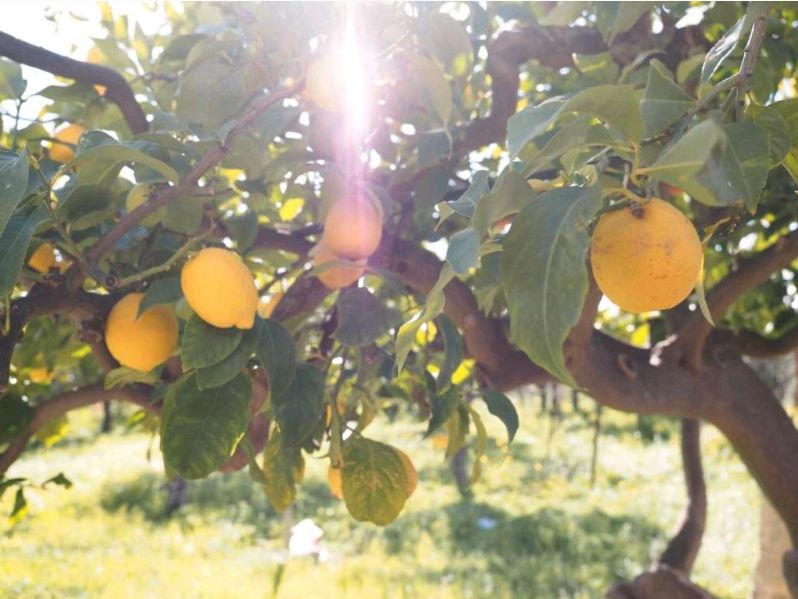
435,83
161,291
113,155
300,408
580,133
531,122
628,14
277,354
14,244
12,83
500,406
205,345
777,127
688,155
453,353
463,250
433,306
442,407
663,101
616,105
375,483
467,202
227,369
509,195
544,272
283,469
446,40
86,206
13,183
362,318
746,160
200,429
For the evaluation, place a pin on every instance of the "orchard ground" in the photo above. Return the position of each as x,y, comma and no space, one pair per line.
535,528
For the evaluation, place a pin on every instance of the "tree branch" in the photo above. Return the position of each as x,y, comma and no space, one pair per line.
755,345
64,402
211,159
748,274
117,89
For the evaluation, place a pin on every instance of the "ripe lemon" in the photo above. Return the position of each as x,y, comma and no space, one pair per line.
336,277
646,261
60,152
220,289
40,375
144,342
352,229
336,482
323,84
43,258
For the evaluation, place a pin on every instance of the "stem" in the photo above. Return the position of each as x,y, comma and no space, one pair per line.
174,259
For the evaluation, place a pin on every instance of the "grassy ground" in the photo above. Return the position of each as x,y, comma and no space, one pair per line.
534,529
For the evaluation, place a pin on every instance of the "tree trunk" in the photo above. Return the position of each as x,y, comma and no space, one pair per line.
774,541
682,550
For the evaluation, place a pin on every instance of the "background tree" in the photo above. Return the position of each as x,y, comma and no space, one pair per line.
487,142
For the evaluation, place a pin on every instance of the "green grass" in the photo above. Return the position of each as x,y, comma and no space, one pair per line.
552,536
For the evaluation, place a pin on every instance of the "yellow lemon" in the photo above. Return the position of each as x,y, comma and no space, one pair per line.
220,289
336,482
323,84
336,277
352,229
40,375
646,258
61,152
140,342
43,258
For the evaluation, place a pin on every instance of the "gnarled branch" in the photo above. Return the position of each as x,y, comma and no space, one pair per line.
117,89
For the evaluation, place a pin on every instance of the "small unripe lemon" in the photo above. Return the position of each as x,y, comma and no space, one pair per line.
336,277
323,84
352,229
140,342
647,258
43,258
336,482
60,152
220,289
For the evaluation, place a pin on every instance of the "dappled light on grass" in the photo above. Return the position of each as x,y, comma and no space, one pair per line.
534,528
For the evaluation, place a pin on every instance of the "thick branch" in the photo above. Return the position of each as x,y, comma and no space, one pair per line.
748,274
682,550
117,89
754,345
662,583
70,400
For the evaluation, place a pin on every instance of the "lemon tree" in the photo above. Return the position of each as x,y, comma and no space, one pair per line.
264,225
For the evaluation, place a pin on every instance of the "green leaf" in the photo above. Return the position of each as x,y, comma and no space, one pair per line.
184,214
300,408
434,80
277,354
12,83
161,291
374,481
481,446
579,133
530,123
227,369
443,406
446,40
544,273
466,203
726,44
433,306
14,244
205,345
200,429
500,406
746,160
457,430
563,14
777,127
15,417
628,14
453,351
283,469
119,377
616,105
113,154
688,155
362,318
20,509
13,183
86,206
509,195
463,249
663,101
59,479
